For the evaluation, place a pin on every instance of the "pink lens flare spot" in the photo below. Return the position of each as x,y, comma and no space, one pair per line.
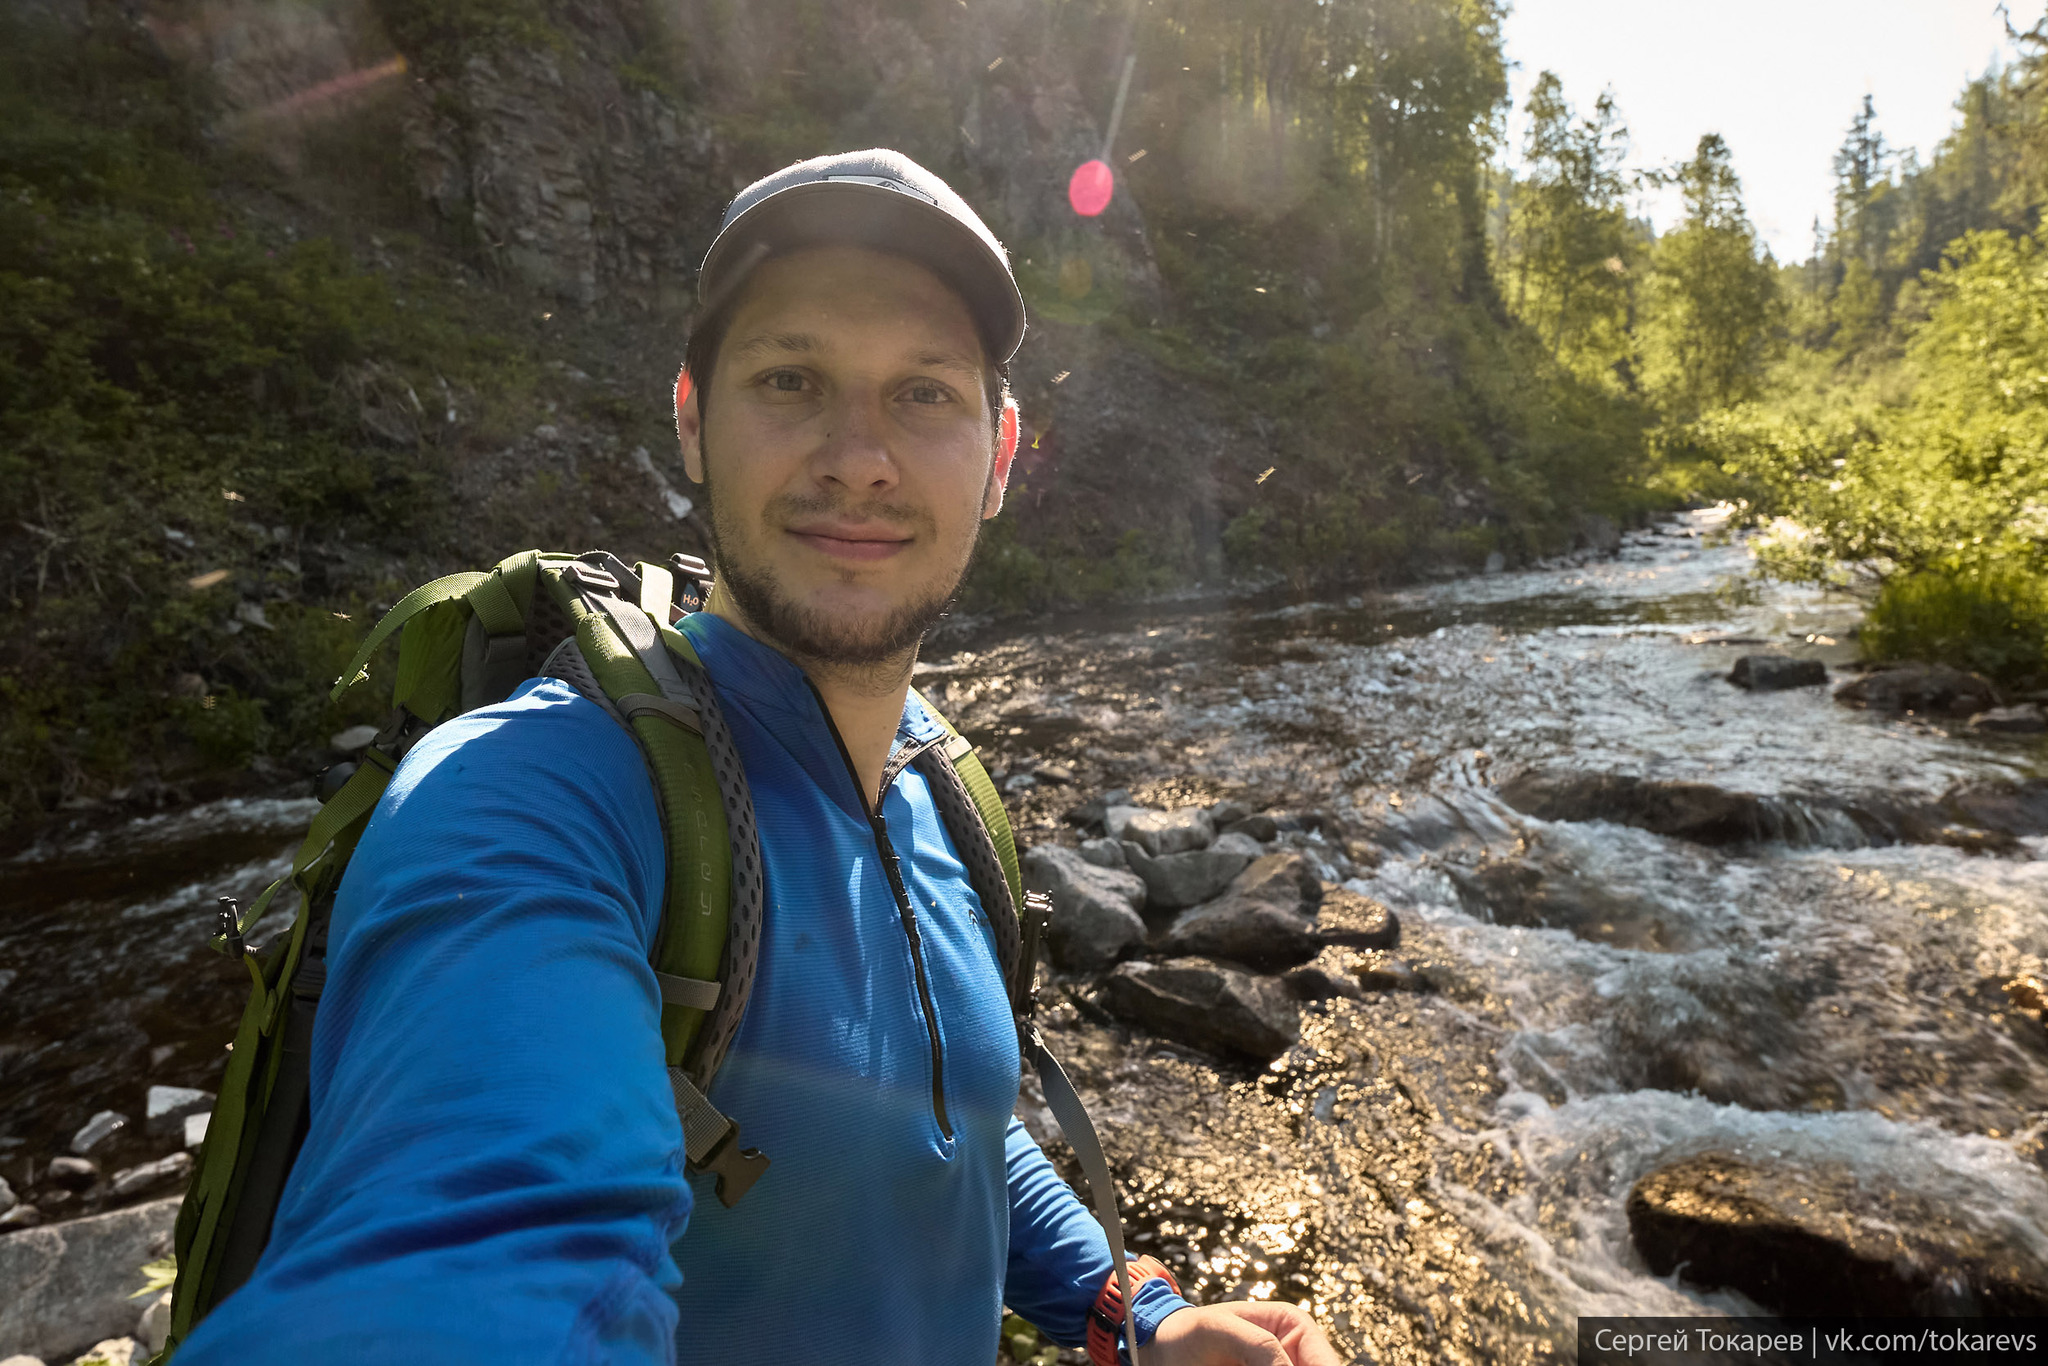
1091,187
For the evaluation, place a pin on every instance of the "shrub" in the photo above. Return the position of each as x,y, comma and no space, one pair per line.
1994,622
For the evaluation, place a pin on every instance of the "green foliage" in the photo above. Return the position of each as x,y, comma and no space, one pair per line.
1992,621
194,409
1710,304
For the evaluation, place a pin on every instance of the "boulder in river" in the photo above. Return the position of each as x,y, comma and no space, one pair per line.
1933,688
1213,1006
1095,917
68,1284
2025,719
1173,881
1819,1241
1160,832
1355,921
1693,811
1774,673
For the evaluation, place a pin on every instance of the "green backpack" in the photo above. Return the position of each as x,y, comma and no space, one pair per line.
608,630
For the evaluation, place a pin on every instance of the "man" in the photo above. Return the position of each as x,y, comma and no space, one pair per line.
493,1171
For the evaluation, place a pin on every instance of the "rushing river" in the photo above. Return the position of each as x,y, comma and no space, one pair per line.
1441,1173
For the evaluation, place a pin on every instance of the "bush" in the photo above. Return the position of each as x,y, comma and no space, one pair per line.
1993,622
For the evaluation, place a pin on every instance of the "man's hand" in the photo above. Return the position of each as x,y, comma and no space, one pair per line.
1240,1333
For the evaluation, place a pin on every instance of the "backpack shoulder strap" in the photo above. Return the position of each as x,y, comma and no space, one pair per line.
629,657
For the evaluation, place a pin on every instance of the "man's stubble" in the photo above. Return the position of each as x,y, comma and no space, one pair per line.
805,634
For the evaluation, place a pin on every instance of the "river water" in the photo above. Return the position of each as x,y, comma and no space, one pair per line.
1441,1174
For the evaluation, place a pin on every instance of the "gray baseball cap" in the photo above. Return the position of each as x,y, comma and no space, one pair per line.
878,199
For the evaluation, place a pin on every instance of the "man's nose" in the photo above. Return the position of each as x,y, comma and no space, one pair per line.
854,451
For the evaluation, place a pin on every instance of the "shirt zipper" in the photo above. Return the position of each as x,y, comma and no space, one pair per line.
891,867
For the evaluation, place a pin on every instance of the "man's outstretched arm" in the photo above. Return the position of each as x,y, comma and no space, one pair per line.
493,1172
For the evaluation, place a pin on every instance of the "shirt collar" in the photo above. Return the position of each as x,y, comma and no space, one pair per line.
766,677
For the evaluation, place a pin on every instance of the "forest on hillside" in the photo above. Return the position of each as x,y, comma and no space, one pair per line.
314,301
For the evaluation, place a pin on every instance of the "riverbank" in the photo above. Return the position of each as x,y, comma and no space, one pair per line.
1641,928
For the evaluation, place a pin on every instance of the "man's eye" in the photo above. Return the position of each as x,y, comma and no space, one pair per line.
786,381
926,393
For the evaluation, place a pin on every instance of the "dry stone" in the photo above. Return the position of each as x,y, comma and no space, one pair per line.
1095,917
68,1284
1160,832
1174,881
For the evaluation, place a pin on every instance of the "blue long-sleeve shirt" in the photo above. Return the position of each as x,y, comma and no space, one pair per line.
494,1169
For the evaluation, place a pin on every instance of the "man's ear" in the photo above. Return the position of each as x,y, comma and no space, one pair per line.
1006,455
689,427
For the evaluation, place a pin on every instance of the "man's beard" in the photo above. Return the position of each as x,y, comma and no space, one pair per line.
806,633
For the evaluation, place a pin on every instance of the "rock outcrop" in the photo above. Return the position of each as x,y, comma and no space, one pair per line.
1818,1241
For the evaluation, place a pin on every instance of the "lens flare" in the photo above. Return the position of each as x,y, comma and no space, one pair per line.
1091,187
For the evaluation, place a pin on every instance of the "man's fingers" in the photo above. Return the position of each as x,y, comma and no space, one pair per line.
1293,1330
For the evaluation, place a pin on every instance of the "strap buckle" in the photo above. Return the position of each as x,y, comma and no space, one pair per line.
735,1167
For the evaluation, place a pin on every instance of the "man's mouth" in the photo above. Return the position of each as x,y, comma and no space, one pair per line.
851,540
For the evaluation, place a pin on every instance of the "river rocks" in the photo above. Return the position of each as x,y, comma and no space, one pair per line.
195,1129
97,1130
1160,832
155,1324
1773,673
8,1199
1245,930
1091,812
1104,853
1236,842
1260,920
1819,1241
1329,974
1375,970
71,1173
2016,808
1226,814
1173,881
2025,719
111,1352
168,1107
1694,811
1211,1005
1597,533
68,1284
133,1180
1930,688
1262,828
1354,921
1095,917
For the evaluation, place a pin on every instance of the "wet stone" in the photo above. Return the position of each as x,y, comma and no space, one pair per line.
169,1105
2024,719
1329,974
97,1130
1285,878
1174,881
1936,688
132,1180
1376,970
1774,673
1160,832
1208,1005
71,1173
1803,1240
1355,921
1095,917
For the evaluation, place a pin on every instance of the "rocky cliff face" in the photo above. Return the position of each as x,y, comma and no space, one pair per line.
586,149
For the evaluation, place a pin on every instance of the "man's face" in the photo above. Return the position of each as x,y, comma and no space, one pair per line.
848,455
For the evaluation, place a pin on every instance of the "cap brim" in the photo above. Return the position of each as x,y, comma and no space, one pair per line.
849,213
